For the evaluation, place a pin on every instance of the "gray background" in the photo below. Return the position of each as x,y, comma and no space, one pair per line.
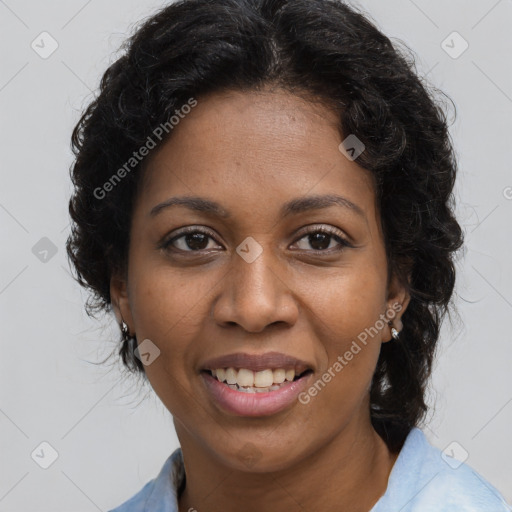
109,441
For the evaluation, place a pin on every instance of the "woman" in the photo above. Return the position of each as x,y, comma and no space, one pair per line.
263,197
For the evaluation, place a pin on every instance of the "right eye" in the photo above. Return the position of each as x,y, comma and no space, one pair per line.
190,239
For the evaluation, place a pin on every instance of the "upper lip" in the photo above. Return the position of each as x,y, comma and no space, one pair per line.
257,362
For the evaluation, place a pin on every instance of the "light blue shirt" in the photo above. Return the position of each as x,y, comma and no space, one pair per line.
423,479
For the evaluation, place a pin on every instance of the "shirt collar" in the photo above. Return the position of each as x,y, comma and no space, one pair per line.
168,485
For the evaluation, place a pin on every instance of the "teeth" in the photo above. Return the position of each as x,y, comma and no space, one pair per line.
231,375
220,373
262,379
246,390
279,376
258,382
246,378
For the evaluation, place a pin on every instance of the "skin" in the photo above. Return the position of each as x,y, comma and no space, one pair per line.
251,152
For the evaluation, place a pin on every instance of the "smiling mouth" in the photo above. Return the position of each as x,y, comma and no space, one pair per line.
248,381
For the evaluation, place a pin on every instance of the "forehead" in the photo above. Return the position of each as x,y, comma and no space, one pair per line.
252,149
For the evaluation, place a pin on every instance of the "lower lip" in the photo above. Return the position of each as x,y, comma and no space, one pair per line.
254,404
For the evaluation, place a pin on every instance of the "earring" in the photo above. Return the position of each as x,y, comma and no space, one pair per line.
125,331
394,333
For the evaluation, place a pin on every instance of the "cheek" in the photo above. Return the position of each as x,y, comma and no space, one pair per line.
166,301
349,301
348,322
168,309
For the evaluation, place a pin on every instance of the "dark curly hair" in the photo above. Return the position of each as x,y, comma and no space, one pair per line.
321,48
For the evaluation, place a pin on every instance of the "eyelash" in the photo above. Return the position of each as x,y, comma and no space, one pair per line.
334,233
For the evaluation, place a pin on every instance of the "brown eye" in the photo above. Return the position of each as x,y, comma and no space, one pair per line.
192,239
320,239
189,240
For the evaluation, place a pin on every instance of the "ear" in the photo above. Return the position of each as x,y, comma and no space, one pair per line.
120,301
398,299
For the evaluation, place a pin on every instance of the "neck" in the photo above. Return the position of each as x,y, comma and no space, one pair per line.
349,473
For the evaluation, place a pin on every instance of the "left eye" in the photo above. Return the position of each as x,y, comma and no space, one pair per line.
195,240
322,238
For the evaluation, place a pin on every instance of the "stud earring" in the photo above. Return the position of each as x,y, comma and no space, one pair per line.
394,333
125,331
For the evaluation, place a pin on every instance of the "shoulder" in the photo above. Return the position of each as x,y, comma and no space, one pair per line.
160,493
426,479
462,488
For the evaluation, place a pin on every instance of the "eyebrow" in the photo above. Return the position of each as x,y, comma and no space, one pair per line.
295,206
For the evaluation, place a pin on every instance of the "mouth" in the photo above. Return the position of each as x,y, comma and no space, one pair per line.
243,392
245,380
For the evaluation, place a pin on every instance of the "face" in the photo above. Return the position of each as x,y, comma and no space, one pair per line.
256,278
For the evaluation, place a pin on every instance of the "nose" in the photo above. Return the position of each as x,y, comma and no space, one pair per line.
255,295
